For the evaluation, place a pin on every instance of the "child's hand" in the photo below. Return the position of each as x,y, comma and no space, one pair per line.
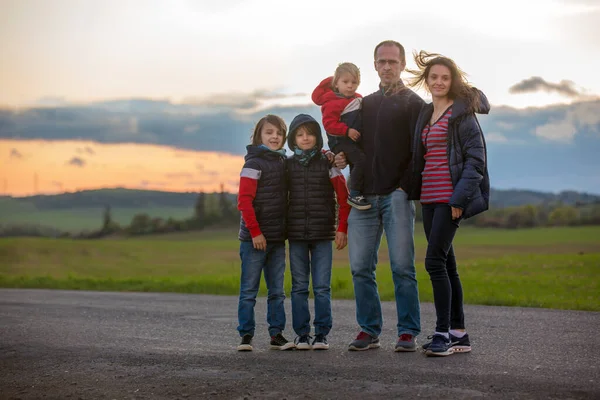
341,240
340,160
330,156
353,134
259,242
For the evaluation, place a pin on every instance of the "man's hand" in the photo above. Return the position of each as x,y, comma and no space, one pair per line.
341,240
340,160
353,134
456,212
259,242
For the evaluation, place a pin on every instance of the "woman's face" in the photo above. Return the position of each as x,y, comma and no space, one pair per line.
271,136
439,81
304,140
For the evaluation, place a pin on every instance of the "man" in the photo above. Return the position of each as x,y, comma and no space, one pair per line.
389,117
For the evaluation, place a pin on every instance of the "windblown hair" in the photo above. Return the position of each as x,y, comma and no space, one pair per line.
346,67
272,119
459,87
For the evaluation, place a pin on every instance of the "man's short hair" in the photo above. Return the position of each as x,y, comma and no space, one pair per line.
390,43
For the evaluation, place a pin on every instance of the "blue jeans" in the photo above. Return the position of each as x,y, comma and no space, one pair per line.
395,215
311,258
254,262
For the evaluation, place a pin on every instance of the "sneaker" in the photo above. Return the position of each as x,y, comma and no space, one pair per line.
320,342
303,342
364,341
459,345
359,202
246,344
406,342
439,346
278,342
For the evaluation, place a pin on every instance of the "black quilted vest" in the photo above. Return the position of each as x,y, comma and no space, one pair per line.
311,201
270,201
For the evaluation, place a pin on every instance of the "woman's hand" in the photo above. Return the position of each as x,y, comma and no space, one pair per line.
456,212
341,240
259,242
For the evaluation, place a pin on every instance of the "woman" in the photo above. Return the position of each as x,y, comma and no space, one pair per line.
450,178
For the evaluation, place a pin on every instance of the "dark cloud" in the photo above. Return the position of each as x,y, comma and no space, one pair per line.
536,84
76,162
86,149
181,126
14,153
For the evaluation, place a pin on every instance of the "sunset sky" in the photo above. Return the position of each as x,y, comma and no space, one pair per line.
243,57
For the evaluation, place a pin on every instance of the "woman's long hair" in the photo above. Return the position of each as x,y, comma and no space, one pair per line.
459,87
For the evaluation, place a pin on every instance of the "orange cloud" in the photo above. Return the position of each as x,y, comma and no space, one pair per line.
46,168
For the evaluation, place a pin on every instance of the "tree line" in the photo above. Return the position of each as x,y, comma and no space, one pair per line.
225,214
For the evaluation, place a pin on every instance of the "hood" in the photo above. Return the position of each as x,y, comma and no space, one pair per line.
324,93
299,120
460,107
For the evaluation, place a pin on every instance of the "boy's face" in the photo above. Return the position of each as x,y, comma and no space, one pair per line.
346,84
304,140
271,136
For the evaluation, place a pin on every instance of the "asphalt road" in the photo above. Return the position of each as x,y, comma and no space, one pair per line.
98,345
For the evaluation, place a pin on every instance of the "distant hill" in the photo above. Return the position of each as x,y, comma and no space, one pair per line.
131,198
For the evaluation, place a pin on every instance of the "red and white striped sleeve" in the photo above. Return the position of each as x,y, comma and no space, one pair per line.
341,191
248,183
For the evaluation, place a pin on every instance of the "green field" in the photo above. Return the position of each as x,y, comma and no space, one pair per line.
546,267
87,219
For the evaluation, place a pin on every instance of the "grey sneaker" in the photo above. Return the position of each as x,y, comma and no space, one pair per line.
246,344
278,342
303,342
320,342
458,345
364,341
406,342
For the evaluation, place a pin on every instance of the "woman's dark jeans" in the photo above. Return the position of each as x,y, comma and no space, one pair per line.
440,262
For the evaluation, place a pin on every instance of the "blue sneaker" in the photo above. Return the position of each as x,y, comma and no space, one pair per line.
459,345
439,346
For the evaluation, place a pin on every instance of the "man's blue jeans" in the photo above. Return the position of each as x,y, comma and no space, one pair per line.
395,215
254,262
311,258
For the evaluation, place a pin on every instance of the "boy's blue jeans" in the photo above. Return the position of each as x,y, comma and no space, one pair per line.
394,215
254,262
311,258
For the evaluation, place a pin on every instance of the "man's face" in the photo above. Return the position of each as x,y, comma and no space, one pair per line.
389,64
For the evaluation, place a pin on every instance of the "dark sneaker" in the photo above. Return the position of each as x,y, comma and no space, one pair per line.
406,342
320,342
364,341
439,346
246,344
459,345
303,342
359,202
278,342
